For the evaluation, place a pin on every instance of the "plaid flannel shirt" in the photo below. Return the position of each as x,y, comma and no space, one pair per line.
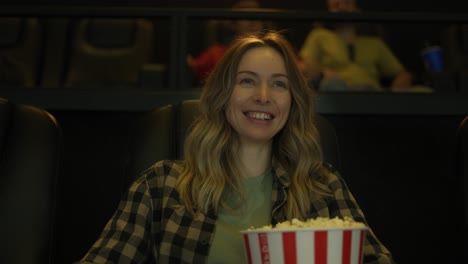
151,226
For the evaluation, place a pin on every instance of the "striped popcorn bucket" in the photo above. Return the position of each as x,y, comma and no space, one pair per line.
312,246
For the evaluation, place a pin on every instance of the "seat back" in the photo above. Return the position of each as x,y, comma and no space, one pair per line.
29,158
160,134
20,51
462,175
109,52
454,43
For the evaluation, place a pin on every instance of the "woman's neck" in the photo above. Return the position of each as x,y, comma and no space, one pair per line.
255,160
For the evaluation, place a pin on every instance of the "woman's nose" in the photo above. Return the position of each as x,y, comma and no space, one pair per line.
263,94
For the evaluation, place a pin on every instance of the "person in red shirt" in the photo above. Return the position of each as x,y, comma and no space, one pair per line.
204,63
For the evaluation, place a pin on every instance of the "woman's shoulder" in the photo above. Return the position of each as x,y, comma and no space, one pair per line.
167,165
333,177
164,169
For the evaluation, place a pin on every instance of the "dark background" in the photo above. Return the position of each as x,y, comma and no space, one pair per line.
370,5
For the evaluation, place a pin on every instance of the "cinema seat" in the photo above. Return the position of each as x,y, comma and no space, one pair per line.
462,176
20,51
30,146
109,53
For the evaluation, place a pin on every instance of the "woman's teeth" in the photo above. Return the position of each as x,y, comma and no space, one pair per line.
260,116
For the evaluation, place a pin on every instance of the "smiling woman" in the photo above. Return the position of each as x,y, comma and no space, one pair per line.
240,169
260,101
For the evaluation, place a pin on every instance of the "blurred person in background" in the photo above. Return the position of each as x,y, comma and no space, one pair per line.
225,32
338,57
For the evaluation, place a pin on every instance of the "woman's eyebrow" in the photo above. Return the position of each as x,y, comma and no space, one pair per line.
275,75
280,75
247,72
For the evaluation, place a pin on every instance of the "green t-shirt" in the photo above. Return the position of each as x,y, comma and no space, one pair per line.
228,244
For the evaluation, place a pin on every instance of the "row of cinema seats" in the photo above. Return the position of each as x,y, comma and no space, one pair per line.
86,52
31,146
124,52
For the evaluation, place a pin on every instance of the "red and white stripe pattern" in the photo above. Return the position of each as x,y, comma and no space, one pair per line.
340,246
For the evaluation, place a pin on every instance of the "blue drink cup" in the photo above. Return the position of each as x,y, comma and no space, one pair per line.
433,59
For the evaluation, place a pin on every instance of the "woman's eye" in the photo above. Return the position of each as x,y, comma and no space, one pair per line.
280,84
247,82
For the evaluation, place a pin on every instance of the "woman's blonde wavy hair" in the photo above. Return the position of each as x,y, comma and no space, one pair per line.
211,164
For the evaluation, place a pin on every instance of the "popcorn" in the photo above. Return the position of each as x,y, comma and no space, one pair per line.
315,223
321,241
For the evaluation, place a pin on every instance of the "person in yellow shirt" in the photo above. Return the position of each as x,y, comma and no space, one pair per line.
340,59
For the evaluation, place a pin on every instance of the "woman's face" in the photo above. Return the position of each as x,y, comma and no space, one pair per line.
260,101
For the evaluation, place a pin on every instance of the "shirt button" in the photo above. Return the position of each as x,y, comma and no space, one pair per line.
204,242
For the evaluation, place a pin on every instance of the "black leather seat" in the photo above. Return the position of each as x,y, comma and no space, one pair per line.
110,52
161,132
30,143
20,51
462,175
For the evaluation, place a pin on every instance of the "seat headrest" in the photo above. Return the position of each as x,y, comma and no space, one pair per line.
111,33
10,31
